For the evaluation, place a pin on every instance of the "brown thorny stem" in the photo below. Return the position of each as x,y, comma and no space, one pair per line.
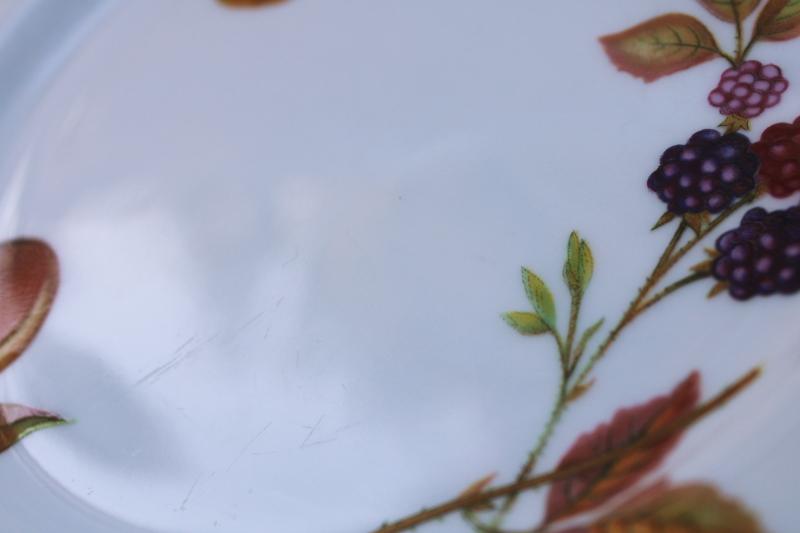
669,258
636,308
651,440
566,393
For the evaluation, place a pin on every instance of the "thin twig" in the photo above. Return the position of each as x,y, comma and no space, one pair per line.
662,267
686,248
676,237
669,289
738,21
533,456
574,312
647,441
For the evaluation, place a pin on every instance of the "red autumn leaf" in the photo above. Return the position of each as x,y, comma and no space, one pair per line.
661,46
18,421
592,488
694,508
730,10
28,284
779,21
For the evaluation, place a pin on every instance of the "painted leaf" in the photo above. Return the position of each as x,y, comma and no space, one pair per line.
594,487
587,264
476,488
779,20
526,323
661,46
573,263
694,508
579,266
730,10
540,297
696,221
28,284
703,267
579,390
718,288
18,421
666,218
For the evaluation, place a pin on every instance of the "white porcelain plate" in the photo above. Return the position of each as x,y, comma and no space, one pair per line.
286,235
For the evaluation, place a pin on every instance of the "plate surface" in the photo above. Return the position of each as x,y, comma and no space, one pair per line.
286,235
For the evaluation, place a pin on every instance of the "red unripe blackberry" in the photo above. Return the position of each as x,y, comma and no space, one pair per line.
748,89
779,152
762,255
706,174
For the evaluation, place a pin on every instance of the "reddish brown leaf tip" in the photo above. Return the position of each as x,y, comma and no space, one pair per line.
731,10
478,486
694,508
594,487
28,285
779,21
18,421
661,46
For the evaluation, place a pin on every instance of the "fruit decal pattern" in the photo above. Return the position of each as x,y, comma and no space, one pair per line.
779,152
28,285
748,90
703,183
706,174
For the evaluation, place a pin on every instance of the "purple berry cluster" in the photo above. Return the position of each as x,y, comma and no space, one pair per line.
749,89
762,255
705,174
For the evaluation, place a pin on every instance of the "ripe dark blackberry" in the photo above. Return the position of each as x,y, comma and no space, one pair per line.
705,174
779,152
762,255
749,89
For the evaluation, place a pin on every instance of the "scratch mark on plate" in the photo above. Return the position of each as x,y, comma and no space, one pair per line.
311,433
189,494
319,442
292,260
247,446
169,365
250,322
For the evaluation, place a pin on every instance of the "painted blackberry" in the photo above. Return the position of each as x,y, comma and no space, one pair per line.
762,255
779,152
749,89
705,174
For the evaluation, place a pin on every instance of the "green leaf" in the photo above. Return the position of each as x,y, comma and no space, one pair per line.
571,271
666,218
526,323
693,508
730,10
579,267
779,21
661,46
540,297
586,337
587,264
19,421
